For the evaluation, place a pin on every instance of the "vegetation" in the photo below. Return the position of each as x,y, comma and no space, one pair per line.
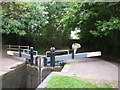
35,24
68,64
99,25
72,82
47,24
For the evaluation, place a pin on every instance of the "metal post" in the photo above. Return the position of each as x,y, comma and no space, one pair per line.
9,46
52,57
19,52
45,61
28,49
36,61
72,53
27,61
31,55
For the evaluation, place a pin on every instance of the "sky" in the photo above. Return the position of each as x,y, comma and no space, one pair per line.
74,34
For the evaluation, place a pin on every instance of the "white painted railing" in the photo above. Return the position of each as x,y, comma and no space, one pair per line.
24,49
58,51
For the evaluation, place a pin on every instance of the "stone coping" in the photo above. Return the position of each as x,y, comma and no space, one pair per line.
44,83
9,63
2,73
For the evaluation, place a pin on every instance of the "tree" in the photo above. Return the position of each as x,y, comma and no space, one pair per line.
99,25
36,24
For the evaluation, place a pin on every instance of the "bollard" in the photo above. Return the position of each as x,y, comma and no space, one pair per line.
19,52
52,57
72,53
31,55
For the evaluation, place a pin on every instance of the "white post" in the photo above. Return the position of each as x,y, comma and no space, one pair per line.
18,47
9,47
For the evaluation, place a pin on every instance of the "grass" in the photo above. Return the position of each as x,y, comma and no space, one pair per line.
68,64
72,82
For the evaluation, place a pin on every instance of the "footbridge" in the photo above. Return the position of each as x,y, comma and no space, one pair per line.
31,56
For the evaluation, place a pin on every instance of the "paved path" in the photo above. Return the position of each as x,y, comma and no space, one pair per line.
94,68
7,62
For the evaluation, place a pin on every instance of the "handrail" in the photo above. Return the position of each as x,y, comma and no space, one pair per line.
23,48
24,51
17,46
58,51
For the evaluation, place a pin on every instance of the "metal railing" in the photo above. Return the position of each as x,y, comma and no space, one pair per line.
58,51
24,49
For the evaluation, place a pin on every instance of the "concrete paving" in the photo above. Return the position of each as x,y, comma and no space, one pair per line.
8,63
94,68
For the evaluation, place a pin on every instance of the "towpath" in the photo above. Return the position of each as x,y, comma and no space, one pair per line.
8,63
93,69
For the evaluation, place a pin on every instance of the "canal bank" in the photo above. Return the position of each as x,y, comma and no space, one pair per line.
16,74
